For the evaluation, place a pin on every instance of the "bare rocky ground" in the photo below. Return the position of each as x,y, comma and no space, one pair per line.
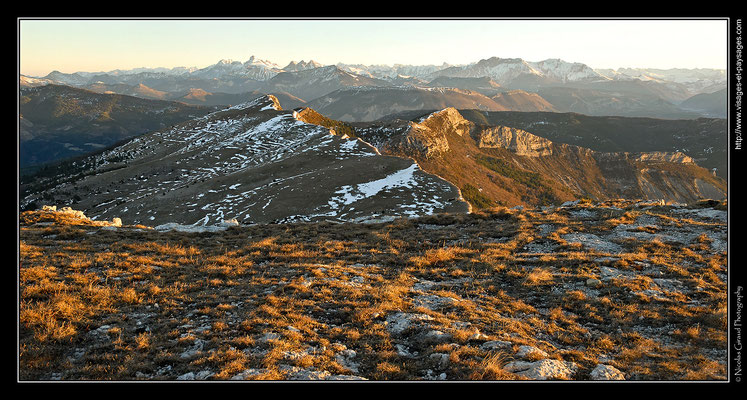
609,291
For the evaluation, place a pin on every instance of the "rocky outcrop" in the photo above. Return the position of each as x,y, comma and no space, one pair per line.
52,213
660,156
538,170
427,137
646,157
517,141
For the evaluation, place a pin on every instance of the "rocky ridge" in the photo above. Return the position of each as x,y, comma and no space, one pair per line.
253,162
446,144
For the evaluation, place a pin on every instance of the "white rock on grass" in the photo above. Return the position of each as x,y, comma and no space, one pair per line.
247,373
399,322
75,213
495,344
606,373
543,370
436,336
229,223
345,359
189,376
345,378
294,373
592,241
525,351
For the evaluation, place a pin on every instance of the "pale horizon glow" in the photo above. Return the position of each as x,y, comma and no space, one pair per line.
87,45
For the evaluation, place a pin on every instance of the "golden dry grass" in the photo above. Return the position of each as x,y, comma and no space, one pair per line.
257,302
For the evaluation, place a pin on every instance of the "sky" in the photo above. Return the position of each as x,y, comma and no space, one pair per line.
73,45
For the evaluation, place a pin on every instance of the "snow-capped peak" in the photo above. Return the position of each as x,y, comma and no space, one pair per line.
253,61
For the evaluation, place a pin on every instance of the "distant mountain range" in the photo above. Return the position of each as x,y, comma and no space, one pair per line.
556,84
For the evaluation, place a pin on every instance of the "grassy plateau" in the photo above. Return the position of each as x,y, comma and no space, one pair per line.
586,291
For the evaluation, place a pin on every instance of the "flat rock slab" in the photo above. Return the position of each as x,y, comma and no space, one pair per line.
592,241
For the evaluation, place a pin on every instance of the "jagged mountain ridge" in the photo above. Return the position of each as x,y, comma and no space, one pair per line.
550,85
514,73
252,162
317,82
510,71
700,138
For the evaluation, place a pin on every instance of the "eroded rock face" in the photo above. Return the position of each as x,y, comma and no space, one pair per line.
517,141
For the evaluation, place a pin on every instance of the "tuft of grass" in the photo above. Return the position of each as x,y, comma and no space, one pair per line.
538,276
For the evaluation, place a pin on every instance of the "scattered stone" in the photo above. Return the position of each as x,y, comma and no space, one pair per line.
269,336
202,375
442,359
243,375
164,370
345,359
436,336
404,351
229,222
194,350
294,373
294,355
189,376
345,378
594,242
594,283
543,370
495,344
399,322
429,376
570,203
77,355
525,351
540,246
606,373
433,302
